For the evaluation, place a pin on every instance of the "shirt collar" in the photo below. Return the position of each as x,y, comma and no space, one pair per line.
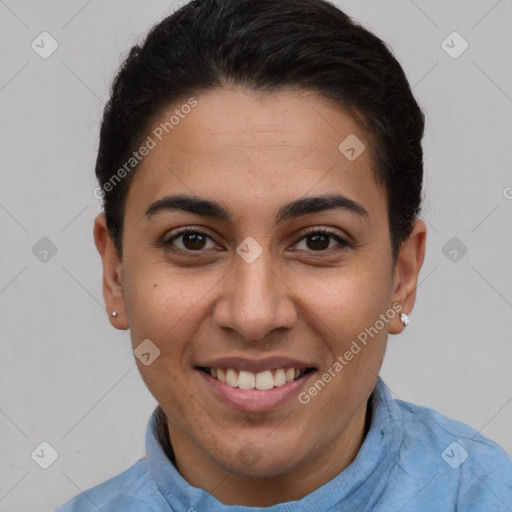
357,487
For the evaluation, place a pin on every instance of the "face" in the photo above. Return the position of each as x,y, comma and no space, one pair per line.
266,279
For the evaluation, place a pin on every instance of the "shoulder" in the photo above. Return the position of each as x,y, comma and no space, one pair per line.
131,490
438,431
443,457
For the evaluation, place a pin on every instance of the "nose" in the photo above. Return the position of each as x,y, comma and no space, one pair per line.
255,299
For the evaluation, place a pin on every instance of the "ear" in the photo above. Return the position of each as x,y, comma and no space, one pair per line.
405,275
112,273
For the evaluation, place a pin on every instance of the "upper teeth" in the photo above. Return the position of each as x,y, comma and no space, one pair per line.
244,379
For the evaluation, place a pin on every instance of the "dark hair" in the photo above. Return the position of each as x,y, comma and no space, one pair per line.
267,45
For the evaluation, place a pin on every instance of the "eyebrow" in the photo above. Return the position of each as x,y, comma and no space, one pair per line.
297,208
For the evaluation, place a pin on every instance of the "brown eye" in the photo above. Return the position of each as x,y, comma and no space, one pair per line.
191,240
320,240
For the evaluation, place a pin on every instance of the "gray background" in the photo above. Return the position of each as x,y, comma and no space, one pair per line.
69,378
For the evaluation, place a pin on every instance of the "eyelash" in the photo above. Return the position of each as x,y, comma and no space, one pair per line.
315,231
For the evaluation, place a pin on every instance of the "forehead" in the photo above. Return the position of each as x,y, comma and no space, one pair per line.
239,145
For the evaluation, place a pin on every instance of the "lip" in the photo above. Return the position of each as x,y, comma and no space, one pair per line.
255,365
255,400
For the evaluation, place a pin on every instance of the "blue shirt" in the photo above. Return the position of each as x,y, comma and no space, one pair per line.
412,459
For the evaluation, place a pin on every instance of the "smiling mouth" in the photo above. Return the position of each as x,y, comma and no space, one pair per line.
265,380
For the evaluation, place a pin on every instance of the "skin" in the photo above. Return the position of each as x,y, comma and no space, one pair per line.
253,153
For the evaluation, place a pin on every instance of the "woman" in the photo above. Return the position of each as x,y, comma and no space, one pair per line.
261,167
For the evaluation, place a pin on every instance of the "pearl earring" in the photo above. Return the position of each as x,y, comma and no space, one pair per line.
114,314
404,319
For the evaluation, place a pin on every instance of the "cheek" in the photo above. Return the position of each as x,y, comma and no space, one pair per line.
166,305
161,307
349,299
149,293
347,311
